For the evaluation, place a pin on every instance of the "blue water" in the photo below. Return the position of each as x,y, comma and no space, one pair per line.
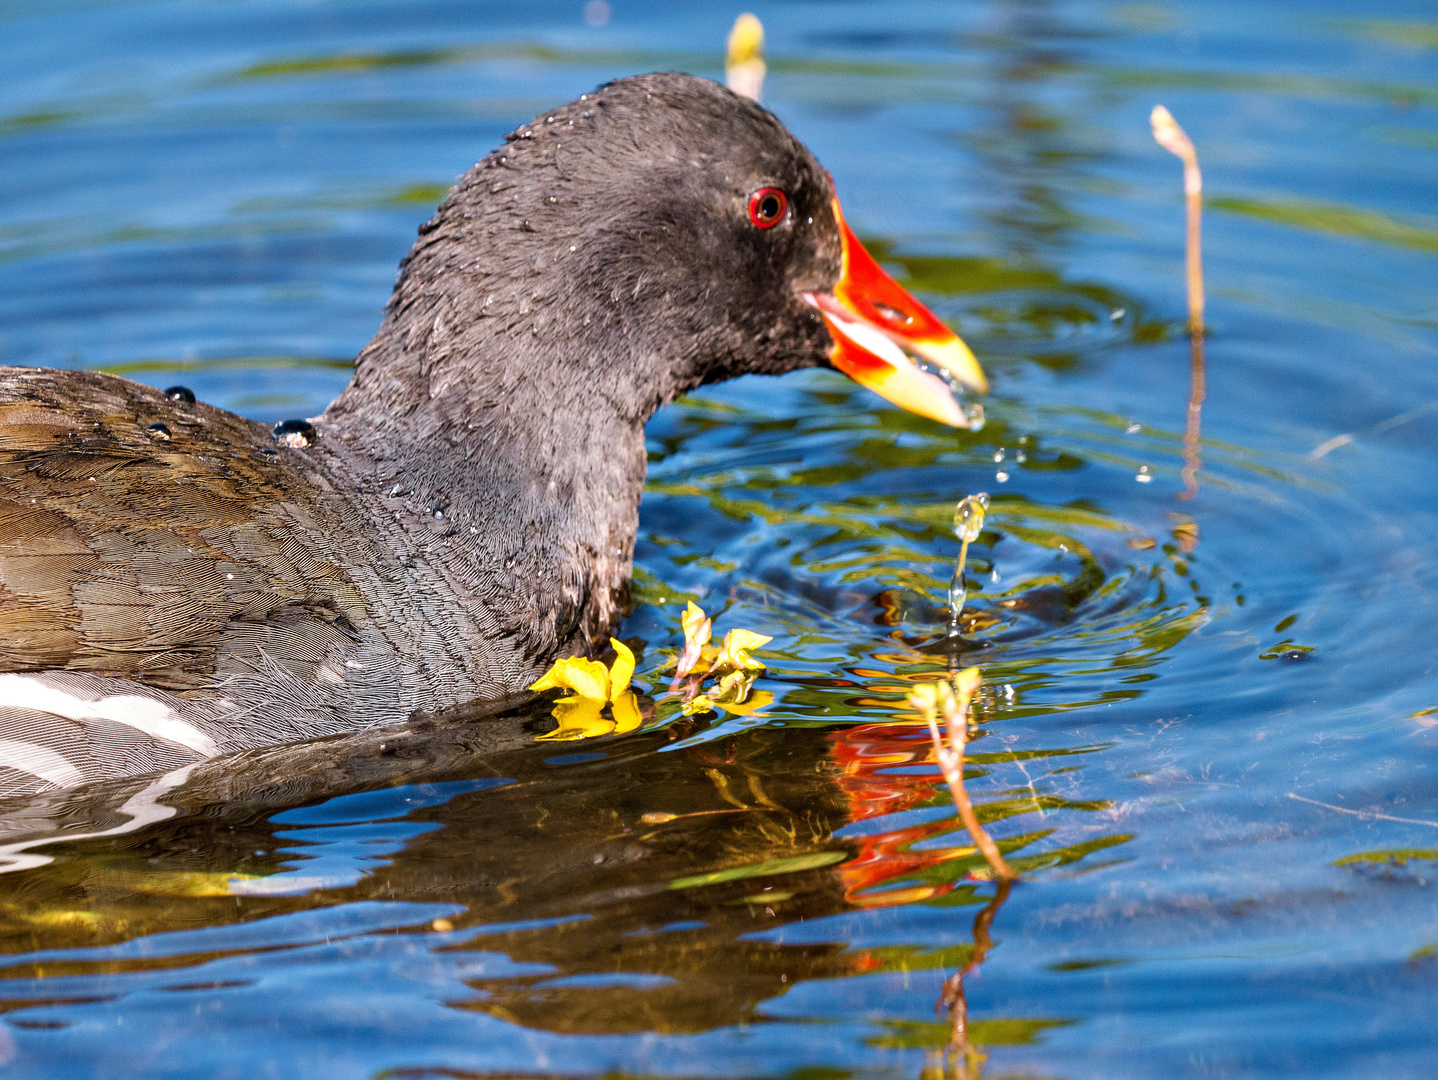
1208,723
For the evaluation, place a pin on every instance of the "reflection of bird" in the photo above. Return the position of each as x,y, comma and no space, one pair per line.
179,582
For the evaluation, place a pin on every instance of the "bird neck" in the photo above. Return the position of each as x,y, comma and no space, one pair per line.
507,390
517,489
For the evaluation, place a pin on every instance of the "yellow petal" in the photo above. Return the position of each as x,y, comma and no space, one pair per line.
697,625
622,671
967,683
698,628
579,718
627,716
745,639
735,653
929,697
759,699
746,41
587,678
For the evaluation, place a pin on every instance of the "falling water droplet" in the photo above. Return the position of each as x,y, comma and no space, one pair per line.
969,516
1133,429
1001,476
1020,456
180,393
1116,314
158,432
968,524
296,434
974,414
999,454
1143,476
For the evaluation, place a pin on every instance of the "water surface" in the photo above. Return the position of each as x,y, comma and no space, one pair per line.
1207,724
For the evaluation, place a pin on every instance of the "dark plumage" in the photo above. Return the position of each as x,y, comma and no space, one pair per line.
468,507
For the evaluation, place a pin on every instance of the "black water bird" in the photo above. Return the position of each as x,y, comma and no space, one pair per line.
177,582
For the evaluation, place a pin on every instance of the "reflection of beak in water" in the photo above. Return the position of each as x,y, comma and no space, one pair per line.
866,757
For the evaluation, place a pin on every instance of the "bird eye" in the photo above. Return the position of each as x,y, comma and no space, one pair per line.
766,207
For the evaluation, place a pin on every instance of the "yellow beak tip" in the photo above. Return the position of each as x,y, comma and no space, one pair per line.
957,359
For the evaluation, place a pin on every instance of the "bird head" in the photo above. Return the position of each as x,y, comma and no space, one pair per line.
662,233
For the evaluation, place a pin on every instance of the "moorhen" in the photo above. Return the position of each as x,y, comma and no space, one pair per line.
177,582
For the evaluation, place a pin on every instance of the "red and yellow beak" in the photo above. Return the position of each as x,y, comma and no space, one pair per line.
873,320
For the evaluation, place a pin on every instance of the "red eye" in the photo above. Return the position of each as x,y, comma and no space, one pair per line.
767,206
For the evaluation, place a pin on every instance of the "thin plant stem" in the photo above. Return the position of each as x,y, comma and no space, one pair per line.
950,757
1176,141
953,998
1196,391
1169,135
1193,249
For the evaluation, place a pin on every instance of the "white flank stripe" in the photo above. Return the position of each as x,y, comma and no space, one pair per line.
39,761
146,714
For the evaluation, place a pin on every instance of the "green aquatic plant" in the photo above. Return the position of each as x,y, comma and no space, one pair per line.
1338,220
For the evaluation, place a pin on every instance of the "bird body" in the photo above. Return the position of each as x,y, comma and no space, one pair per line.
178,582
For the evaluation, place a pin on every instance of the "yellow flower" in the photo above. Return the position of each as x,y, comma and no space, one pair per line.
700,704
627,716
746,41
930,696
622,671
580,714
578,718
938,697
735,653
732,694
590,678
731,663
587,678
698,628
966,683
